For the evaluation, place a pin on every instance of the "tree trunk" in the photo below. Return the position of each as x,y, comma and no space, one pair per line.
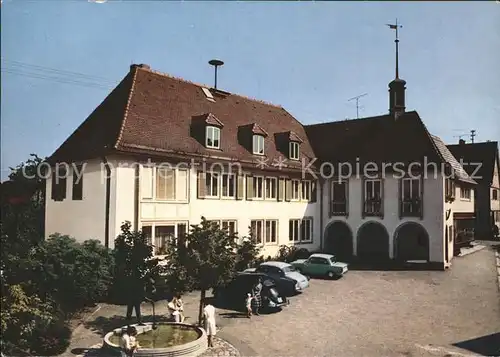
200,311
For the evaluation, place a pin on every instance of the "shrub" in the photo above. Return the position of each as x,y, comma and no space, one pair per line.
73,274
52,339
247,253
290,253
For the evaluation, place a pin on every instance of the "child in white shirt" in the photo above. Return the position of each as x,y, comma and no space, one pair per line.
248,304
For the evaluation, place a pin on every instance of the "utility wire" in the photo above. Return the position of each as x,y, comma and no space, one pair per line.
56,79
13,63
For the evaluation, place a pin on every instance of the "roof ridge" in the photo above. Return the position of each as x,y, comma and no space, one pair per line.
127,106
349,120
164,74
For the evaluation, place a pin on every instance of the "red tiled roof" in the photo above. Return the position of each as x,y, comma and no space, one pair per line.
458,170
478,155
151,112
374,139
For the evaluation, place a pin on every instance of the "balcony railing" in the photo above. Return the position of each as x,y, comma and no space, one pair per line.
373,207
338,208
411,207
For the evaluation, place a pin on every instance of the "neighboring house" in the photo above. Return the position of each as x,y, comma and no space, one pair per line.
261,156
185,129
481,161
380,213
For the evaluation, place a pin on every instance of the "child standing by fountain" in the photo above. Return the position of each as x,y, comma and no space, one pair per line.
209,317
248,303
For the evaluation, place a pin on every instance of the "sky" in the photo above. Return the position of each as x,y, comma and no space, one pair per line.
60,58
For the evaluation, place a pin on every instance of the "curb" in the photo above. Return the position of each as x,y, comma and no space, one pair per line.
497,256
472,250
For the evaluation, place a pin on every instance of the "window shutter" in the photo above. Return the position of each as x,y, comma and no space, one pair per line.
314,192
201,185
240,193
288,190
250,193
330,198
281,189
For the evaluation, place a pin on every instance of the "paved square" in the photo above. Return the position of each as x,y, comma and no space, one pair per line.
373,313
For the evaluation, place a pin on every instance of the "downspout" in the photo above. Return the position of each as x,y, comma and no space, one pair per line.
108,200
321,215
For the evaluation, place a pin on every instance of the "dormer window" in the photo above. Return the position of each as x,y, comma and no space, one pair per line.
258,145
294,150
212,137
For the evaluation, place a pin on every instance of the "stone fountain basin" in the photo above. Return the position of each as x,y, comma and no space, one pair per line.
192,349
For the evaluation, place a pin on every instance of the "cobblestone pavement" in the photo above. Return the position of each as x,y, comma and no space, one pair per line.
386,313
366,313
221,348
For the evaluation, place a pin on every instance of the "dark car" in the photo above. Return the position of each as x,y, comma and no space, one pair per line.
234,294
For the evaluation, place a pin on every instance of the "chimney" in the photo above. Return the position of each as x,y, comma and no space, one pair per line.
461,142
142,65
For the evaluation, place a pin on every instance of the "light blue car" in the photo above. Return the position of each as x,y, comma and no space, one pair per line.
288,279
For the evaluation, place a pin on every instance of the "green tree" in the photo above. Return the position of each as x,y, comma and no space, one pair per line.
134,261
248,253
204,259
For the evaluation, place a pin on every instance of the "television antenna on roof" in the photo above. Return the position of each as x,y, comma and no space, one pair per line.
357,103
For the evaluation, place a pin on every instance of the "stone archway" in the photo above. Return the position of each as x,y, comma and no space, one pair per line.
373,243
411,242
338,240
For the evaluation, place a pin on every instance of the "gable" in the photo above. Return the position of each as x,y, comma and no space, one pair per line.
479,159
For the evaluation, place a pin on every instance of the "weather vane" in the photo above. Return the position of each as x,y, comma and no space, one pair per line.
395,27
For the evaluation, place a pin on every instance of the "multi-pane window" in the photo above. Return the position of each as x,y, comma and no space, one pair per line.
494,194
257,228
228,185
294,150
449,189
373,196
229,226
165,183
465,193
258,144
271,187
296,190
338,201
306,190
212,137
300,230
212,184
258,187
77,193
265,231
411,196
271,231
159,235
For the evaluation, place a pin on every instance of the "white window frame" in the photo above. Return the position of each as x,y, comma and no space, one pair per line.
332,196
295,236
294,150
227,223
408,181
306,190
372,182
210,188
256,185
463,194
258,232
269,238
258,147
212,133
271,190
225,178
296,190
174,184
153,226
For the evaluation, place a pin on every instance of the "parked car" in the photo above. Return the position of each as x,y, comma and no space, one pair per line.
321,265
288,279
234,294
